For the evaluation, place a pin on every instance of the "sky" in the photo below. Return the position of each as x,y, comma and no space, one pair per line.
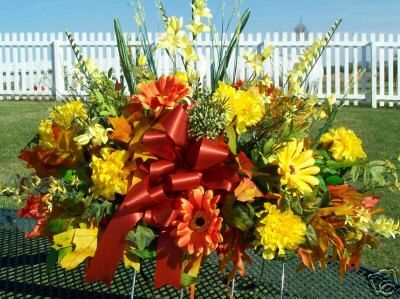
381,16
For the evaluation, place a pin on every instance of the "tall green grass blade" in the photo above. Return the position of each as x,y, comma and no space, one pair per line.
125,57
223,64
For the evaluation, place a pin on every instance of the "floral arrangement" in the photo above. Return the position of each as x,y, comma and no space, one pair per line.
164,167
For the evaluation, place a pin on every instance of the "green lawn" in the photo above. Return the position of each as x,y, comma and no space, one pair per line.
379,130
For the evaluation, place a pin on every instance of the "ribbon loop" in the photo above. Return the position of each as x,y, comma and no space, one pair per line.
160,168
184,181
160,144
175,124
205,154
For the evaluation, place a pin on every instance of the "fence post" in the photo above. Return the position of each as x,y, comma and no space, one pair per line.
373,71
364,66
57,73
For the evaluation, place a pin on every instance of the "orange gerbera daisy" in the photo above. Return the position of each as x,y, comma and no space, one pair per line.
198,225
165,92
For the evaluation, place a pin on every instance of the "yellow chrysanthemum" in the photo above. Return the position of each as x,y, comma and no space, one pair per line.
65,114
46,136
343,144
296,167
247,107
108,173
224,91
279,231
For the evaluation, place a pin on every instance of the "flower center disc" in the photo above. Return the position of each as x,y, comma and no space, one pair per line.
199,221
292,169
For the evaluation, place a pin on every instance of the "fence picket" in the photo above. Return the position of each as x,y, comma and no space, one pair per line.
38,66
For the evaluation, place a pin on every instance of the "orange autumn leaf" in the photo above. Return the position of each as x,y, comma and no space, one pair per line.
344,194
36,207
247,191
370,201
306,257
122,129
245,164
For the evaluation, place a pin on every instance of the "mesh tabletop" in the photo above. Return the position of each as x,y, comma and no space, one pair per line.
23,275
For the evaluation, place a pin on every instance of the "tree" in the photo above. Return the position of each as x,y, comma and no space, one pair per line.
301,28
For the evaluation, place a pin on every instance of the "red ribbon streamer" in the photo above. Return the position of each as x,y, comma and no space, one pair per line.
181,166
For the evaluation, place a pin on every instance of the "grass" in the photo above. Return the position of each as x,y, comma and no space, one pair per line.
379,130
18,124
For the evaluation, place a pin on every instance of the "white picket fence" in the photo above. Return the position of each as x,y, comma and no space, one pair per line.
39,66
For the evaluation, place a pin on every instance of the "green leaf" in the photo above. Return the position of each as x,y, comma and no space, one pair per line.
68,174
329,170
230,132
110,73
243,216
221,72
147,253
51,260
99,96
334,180
311,236
268,146
324,154
142,236
297,206
63,252
187,280
58,225
125,57
322,184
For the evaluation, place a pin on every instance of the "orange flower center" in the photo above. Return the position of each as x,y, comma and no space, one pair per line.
199,221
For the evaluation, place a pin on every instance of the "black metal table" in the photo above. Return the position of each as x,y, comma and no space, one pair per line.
23,275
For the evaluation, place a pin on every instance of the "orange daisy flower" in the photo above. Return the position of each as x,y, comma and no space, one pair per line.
198,225
163,93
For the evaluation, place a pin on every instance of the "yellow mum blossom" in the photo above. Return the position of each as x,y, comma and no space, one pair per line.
296,167
248,107
46,136
343,144
224,91
279,231
108,173
65,114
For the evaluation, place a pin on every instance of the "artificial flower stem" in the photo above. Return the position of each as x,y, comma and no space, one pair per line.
233,287
133,284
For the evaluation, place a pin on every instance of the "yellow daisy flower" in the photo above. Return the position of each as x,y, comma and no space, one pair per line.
296,167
